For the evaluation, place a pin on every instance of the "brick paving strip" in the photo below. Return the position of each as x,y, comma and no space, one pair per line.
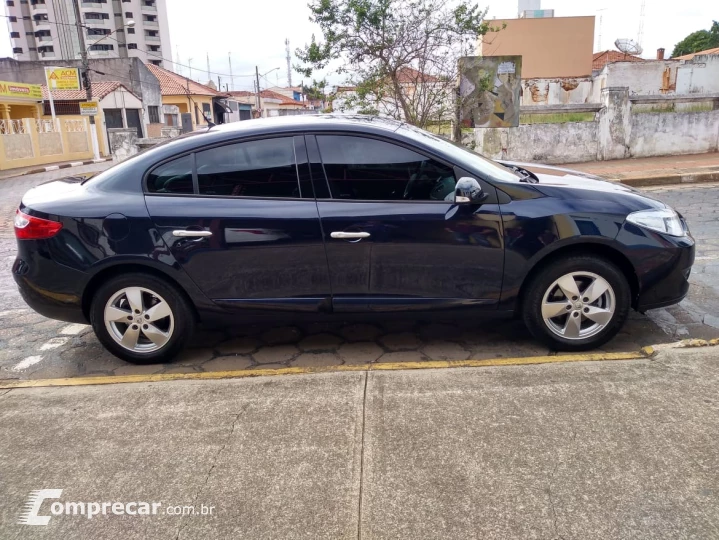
658,171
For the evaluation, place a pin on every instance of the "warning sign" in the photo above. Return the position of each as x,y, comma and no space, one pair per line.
63,78
88,108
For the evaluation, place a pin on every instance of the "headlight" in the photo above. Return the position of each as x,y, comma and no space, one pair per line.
665,221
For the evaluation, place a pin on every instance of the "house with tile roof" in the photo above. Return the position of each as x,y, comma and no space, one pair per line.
690,56
602,58
200,101
271,103
118,107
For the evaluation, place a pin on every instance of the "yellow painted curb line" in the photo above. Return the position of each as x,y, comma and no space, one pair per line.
645,352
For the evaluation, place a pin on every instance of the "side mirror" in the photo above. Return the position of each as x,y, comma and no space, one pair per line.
468,191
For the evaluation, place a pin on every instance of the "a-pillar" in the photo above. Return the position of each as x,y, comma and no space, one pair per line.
615,124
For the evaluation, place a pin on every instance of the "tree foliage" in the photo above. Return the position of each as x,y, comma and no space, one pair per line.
698,41
399,55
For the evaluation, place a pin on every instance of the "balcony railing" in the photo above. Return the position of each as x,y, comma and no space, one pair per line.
43,38
100,53
48,54
152,8
90,23
155,39
92,4
151,24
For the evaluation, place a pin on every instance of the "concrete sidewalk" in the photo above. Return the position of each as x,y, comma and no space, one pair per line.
691,169
622,449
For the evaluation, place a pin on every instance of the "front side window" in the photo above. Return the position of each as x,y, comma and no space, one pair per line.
172,177
359,168
264,168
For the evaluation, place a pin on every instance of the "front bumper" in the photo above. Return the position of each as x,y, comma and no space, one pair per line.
662,263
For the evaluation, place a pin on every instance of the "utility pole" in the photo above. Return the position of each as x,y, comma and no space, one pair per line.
257,76
209,77
189,63
289,62
86,76
232,80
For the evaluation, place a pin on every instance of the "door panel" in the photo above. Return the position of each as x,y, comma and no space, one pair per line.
422,252
263,252
418,255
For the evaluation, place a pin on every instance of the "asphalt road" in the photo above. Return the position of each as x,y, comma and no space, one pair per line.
591,450
34,347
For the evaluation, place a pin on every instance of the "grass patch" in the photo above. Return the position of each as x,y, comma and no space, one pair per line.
556,118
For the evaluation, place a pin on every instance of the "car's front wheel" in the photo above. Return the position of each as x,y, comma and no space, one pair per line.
141,318
577,303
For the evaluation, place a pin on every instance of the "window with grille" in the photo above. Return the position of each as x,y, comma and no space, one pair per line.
154,114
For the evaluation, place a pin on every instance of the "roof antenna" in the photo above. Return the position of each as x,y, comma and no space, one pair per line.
210,123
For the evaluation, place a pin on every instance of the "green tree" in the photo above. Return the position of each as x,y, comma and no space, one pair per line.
698,41
400,55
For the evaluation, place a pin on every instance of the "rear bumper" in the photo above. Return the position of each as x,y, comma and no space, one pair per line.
51,289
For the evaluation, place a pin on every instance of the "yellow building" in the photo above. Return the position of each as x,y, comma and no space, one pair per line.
19,100
187,95
550,47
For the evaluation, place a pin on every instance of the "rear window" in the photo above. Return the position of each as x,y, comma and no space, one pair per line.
172,177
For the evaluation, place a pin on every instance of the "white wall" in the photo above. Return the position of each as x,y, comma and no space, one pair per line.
556,91
701,76
571,142
666,134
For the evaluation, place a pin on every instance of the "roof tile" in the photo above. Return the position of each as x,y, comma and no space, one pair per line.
601,59
99,90
172,84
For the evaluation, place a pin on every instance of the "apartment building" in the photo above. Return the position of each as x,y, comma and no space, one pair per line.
45,29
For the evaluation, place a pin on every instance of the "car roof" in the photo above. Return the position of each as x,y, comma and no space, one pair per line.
306,121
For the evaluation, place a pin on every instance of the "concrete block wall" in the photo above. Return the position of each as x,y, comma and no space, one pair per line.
620,132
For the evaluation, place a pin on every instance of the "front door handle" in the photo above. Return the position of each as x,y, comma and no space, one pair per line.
191,234
349,235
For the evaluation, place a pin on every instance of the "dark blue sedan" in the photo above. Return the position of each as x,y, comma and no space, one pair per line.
341,217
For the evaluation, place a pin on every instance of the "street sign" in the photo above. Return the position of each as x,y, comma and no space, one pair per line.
88,108
20,90
63,78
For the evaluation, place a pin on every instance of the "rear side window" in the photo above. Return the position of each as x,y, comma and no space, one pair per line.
172,177
359,168
264,168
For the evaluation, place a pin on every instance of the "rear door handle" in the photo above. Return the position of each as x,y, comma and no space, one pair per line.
191,234
350,235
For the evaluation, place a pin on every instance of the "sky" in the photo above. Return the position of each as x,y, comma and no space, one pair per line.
254,32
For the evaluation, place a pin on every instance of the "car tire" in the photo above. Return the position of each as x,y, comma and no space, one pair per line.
576,317
141,318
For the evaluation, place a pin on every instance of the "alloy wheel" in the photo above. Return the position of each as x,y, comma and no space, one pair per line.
578,305
139,319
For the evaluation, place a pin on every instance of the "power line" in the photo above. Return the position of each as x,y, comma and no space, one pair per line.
151,53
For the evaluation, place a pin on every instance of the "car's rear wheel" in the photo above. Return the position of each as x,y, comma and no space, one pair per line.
577,303
141,318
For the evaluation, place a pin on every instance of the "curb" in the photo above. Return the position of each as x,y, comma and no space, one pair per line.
65,166
643,354
671,179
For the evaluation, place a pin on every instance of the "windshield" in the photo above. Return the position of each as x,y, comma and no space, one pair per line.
462,155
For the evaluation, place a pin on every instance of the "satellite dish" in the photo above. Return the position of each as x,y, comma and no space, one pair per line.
629,46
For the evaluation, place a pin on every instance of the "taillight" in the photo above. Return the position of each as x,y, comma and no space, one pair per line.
34,228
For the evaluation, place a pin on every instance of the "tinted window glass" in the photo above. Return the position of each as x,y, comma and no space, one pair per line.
250,169
368,169
172,177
